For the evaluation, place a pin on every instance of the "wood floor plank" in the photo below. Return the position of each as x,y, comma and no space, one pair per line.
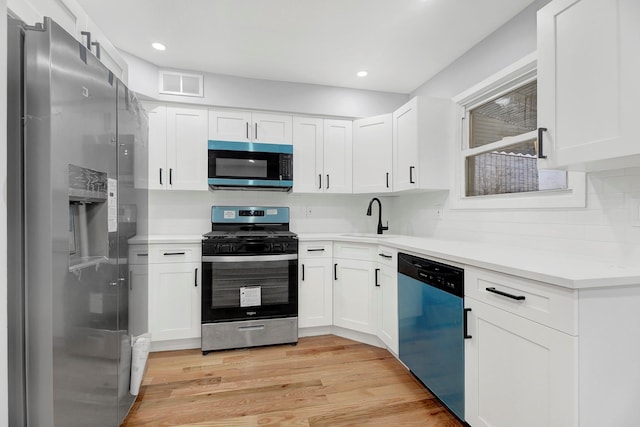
323,381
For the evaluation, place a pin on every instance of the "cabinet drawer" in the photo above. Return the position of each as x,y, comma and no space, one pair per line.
387,256
138,254
170,253
357,251
546,304
315,250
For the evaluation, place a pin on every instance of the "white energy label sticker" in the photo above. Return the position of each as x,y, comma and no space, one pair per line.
272,211
250,296
229,214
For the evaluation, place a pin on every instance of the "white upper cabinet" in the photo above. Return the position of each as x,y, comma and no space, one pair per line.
422,136
157,114
73,19
229,125
272,128
405,146
338,140
372,154
246,126
187,148
308,155
177,147
588,86
321,155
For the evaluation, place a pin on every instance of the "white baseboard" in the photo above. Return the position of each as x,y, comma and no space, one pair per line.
169,345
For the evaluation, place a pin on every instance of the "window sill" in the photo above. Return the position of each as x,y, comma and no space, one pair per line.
574,197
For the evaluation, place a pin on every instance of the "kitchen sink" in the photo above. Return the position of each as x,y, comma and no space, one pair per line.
366,235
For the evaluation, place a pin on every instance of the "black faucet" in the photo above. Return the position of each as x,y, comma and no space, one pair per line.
380,227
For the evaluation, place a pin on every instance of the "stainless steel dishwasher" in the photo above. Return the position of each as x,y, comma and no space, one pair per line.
431,320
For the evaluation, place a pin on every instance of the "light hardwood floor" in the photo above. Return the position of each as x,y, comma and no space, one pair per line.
323,381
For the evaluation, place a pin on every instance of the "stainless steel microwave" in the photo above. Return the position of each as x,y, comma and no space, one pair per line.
250,166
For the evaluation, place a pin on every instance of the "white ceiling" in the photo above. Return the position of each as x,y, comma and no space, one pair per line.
402,43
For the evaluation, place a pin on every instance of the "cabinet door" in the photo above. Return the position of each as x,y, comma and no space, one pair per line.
187,148
588,88
307,155
353,293
405,146
272,128
174,301
230,125
387,302
372,154
518,372
315,292
158,173
138,299
338,136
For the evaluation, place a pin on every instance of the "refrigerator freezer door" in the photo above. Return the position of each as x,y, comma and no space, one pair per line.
73,333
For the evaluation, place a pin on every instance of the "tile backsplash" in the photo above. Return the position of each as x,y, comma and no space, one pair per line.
609,226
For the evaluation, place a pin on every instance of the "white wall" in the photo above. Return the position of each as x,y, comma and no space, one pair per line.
606,227
4,410
238,92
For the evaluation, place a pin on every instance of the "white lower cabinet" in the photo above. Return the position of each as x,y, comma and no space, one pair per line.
174,301
386,300
164,294
315,285
353,294
518,372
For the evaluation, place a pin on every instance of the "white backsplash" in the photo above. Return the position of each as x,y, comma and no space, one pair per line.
189,212
607,227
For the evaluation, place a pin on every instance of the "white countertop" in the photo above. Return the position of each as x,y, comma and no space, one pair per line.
569,271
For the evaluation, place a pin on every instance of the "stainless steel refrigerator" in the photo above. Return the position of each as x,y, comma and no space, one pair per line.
76,142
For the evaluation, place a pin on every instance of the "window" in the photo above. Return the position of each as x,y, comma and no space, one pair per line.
498,163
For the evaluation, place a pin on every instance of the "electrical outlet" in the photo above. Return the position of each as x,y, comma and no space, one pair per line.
439,212
308,211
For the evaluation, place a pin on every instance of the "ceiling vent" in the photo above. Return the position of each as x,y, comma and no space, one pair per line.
172,83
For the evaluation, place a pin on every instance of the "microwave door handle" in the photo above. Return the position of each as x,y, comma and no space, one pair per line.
247,123
256,133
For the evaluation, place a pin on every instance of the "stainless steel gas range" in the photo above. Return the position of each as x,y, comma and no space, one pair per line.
249,278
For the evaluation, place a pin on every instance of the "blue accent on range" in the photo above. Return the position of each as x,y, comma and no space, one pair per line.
431,327
249,214
252,147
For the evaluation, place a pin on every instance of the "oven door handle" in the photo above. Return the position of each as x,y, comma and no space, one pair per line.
250,258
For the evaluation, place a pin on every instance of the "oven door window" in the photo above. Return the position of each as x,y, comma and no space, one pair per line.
245,165
263,288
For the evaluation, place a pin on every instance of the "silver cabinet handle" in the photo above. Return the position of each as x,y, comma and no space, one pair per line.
173,253
256,135
195,278
316,250
247,130
251,328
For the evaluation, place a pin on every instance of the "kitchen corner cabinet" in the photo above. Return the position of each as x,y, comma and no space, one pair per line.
174,291
354,287
386,299
322,155
421,137
247,126
373,154
315,286
177,147
588,87
520,361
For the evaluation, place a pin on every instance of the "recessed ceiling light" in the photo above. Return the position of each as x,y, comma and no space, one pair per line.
362,73
158,46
